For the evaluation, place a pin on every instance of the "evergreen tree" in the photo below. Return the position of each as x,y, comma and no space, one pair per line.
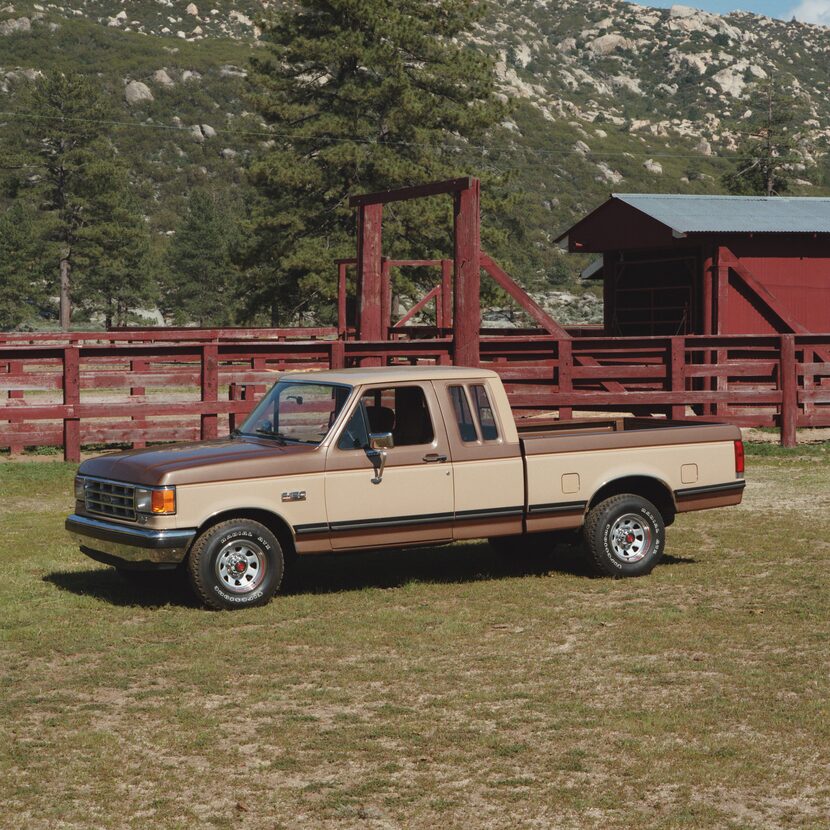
767,149
23,298
201,277
361,95
78,186
113,252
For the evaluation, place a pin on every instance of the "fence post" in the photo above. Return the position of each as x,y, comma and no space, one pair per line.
788,381
337,357
140,422
15,367
210,388
72,399
566,365
446,296
677,369
341,299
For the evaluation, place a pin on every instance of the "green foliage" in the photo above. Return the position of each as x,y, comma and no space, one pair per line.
201,279
73,182
360,95
769,137
23,297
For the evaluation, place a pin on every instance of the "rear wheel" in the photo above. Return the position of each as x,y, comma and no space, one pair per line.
236,564
625,535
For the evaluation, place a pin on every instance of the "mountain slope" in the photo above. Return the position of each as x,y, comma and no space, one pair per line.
608,96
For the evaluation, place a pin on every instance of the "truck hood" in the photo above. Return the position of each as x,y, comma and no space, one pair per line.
200,462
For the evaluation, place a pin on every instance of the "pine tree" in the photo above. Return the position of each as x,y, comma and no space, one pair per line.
767,149
80,191
23,298
113,252
360,95
200,273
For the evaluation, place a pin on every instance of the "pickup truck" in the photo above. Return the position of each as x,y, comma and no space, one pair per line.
335,461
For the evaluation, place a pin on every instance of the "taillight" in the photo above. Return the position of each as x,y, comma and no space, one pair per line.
739,459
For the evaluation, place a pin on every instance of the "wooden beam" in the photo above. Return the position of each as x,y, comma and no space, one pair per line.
788,383
341,297
467,277
369,274
446,294
533,308
422,303
72,399
418,191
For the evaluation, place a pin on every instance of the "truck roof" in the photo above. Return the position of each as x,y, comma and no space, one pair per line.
393,374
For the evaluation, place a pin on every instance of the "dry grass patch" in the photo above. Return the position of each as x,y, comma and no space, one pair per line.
427,687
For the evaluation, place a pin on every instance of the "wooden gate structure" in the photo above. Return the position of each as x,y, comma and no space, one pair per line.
136,386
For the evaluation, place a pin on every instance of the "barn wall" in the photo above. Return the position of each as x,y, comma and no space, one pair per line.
795,270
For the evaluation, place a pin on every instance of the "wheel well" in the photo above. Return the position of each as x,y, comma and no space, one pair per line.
649,488
276,524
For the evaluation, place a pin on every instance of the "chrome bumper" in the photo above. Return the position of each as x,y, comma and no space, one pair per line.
118,544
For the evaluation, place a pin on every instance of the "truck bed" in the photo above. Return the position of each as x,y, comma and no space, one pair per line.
549,435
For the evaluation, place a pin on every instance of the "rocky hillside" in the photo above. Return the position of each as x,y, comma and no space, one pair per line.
610,95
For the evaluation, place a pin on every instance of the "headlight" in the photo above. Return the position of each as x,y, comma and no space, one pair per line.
80,488
158,501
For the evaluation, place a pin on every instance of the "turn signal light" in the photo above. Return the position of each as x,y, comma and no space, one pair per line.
739,459
163,501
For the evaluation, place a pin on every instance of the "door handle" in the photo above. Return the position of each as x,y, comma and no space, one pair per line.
434,458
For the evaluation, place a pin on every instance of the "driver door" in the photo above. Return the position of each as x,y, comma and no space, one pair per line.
412,500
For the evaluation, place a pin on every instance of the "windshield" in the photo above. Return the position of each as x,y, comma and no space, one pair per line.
300,412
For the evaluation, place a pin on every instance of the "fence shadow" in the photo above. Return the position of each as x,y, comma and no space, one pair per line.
334,573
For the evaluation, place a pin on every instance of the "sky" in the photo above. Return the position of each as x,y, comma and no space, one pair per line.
807,11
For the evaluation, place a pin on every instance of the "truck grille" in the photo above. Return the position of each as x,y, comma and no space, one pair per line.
108,498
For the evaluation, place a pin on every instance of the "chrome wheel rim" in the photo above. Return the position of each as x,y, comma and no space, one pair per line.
630,538
240,566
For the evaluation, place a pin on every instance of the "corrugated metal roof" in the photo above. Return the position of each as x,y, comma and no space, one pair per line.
734,214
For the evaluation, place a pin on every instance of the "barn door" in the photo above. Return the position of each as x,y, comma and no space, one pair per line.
653,294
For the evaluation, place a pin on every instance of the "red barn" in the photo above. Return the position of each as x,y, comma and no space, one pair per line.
709,264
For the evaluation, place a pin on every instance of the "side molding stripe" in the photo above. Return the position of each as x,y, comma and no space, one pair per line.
710,488
558,507
403,521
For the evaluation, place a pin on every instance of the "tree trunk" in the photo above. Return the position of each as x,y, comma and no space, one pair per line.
65,308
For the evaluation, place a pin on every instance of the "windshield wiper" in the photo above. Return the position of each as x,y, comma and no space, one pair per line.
269,433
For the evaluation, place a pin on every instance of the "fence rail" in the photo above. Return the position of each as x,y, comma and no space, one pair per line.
161,385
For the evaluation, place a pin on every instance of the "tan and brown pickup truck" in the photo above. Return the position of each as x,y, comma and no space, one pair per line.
388,457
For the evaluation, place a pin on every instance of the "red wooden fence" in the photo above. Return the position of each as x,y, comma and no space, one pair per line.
159,385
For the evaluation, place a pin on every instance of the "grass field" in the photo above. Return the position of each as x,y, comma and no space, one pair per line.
428,688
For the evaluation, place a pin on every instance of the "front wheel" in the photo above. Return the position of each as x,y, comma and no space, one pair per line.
625,535
236,564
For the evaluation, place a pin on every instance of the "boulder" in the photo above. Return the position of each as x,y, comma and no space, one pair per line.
13,27
208,131
137,92
161,77
608,44
653,167
192,9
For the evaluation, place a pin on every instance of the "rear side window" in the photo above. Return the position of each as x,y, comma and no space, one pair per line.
486,419
463,416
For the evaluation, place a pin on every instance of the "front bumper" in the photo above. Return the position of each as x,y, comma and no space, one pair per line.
129,547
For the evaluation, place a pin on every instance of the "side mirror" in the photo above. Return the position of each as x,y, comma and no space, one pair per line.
381,441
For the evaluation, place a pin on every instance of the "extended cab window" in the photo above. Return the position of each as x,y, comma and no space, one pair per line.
463,416
401,410
486,419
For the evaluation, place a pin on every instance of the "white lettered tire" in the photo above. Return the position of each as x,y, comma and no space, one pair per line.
236,564
625,535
